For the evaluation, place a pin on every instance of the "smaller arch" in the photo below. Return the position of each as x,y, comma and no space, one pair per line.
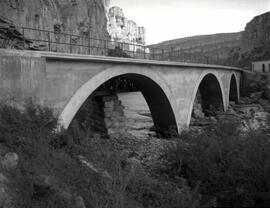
263,67
210,92
205,77
233,89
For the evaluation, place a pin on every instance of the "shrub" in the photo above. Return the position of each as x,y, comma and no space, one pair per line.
154,193
47,175
231,170
34,122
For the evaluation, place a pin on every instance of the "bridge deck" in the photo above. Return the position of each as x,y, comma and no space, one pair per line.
119,60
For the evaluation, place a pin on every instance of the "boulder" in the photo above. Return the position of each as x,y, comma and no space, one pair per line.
10,161
253,124
248,110
197,113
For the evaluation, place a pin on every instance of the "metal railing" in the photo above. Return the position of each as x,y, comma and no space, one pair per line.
70,43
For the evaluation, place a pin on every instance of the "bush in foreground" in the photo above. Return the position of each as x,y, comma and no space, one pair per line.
47,175
231,170
50,174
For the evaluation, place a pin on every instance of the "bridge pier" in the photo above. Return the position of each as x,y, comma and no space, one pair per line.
101,114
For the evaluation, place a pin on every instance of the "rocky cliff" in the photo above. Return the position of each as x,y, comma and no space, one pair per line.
79,17
122,29
257,33
255,42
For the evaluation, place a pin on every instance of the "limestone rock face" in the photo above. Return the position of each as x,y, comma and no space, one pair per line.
255,42
10,37
87,18
257,33
122,29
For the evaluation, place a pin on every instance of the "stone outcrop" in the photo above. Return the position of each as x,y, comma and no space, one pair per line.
86,18
11,37
257,33
9,161
124,30
255,43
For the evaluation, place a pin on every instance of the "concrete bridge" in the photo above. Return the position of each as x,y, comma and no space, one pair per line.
64,81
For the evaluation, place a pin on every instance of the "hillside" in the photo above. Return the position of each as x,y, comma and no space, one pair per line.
190,43
218,46
236,49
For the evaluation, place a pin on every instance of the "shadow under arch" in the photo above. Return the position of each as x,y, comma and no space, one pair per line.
233,92
213,92
154,89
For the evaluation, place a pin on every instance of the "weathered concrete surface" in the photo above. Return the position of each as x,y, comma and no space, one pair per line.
64,82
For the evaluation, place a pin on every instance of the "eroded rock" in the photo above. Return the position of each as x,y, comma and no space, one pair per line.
122,29
86,18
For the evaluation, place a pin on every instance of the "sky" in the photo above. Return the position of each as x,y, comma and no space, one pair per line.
171,19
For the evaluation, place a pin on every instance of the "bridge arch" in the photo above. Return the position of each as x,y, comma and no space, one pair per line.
157,94
233,89
211,83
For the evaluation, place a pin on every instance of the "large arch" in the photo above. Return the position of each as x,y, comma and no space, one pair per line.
233,89
203,79
155,90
